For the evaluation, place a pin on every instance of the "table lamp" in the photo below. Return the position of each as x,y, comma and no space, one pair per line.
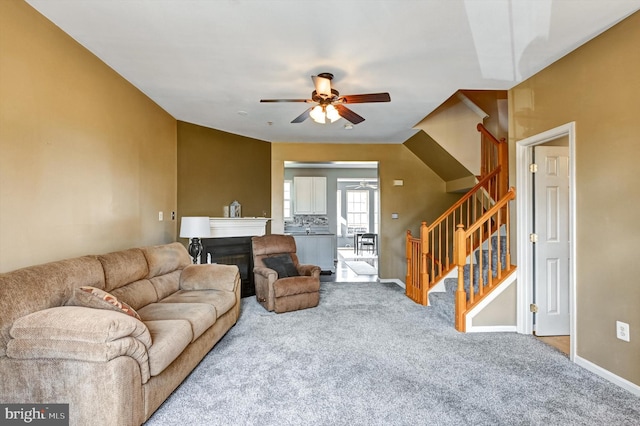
195,227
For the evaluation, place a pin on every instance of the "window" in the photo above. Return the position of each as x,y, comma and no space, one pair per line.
339,219
357,211
287,199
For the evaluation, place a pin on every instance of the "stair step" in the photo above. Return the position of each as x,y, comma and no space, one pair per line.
443,303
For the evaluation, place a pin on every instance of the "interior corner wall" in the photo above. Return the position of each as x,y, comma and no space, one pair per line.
453,126
86,160
598,87
421,198
215,168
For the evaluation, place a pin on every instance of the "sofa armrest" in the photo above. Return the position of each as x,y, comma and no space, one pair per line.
309,270
267,273
79,333
210,277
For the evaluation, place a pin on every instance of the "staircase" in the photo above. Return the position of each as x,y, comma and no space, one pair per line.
442,300
471,239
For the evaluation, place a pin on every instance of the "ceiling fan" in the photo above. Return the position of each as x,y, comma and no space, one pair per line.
330,105
363,185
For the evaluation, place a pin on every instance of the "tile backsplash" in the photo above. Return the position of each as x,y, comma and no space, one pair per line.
301,222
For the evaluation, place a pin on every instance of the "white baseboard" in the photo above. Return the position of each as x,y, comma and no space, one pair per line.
393,280
607,375
492,329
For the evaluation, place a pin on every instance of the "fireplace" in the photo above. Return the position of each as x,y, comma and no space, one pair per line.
232,251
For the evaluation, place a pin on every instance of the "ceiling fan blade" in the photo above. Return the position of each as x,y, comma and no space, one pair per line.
370,97
348,115
322,84
285,100
302,117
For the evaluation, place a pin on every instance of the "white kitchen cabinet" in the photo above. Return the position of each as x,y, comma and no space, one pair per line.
317,249
310,195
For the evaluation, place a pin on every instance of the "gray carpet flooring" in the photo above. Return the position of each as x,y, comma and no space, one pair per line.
367,355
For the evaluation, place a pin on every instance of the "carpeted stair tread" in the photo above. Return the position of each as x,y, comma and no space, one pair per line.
443,303
440,303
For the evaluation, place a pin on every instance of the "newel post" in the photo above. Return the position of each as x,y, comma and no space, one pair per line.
424,258
409,278
460,259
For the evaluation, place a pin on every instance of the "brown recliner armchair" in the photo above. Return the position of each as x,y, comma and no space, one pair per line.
282,283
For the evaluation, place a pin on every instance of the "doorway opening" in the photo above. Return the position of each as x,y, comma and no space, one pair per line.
531,276
352,212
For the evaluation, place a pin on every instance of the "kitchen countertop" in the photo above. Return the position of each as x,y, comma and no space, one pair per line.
310,234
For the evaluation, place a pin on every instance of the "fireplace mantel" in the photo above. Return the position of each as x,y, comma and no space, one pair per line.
222,227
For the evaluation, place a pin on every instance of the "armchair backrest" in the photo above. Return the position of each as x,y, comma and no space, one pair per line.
270,245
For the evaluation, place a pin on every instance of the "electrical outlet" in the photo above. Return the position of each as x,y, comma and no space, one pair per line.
622,331
173,215
160,216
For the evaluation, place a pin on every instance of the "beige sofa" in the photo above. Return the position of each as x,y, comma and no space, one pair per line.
110,367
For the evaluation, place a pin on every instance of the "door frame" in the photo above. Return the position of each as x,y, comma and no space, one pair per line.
524,207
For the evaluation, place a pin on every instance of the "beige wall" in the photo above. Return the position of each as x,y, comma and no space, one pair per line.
453,126
215,168
501,311
86,160
598,87
421,198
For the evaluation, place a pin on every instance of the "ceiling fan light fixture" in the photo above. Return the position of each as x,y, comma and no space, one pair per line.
318,114
332,113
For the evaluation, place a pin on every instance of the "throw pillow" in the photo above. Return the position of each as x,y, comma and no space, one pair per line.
282,264
91,297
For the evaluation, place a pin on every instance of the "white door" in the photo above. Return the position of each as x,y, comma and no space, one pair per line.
551,251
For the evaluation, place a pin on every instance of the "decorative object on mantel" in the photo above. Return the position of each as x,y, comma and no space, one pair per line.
195,227
235,209
223,227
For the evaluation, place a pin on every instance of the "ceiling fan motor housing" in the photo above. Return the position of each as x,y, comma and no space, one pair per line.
324,99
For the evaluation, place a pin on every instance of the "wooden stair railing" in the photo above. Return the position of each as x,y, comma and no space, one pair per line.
429,256
494,221
494,153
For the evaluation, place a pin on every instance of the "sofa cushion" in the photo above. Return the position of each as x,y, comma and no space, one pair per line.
201,316
220,299
282,264
166,284
136,294
123,267
170,338
92,297
166,258
216,276
295,285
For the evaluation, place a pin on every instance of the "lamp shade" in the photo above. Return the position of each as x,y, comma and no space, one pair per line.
195,227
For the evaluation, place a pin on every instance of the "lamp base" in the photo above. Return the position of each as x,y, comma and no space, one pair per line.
195,249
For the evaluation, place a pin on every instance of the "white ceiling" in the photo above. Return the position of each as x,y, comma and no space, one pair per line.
209,62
